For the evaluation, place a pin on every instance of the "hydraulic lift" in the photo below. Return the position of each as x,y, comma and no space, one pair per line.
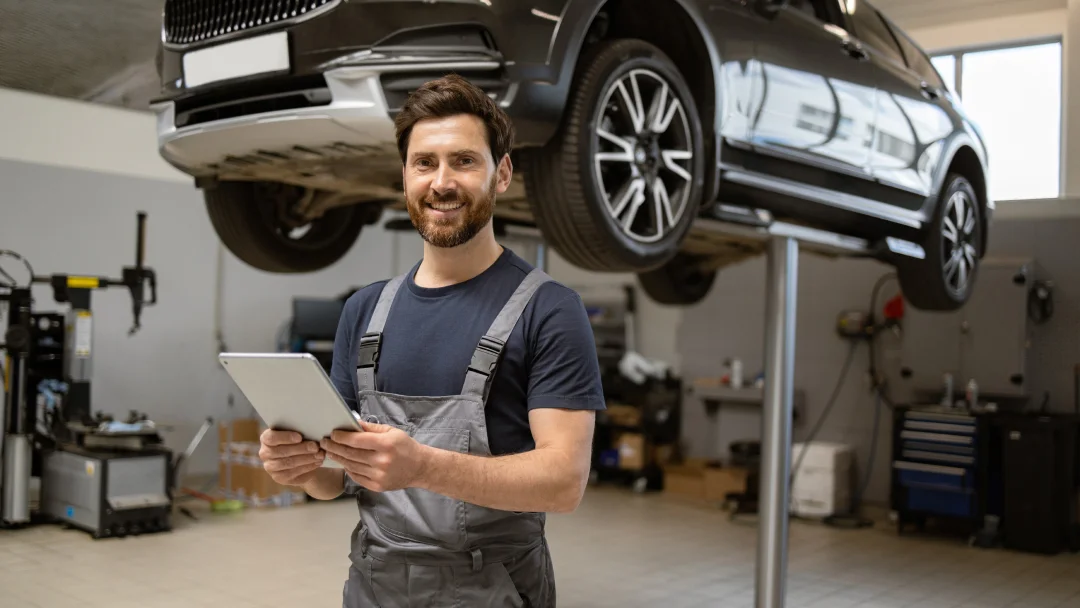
782,244
747,233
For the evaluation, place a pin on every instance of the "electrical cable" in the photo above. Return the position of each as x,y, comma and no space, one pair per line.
851,519
825,413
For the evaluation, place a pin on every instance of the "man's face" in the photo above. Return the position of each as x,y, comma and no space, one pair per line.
451,179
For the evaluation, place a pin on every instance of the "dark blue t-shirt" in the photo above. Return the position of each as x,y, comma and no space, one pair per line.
549,360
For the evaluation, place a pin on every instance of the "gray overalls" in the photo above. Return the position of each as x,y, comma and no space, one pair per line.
416,548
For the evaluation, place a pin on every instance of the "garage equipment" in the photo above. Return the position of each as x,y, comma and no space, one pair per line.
783,245
40,348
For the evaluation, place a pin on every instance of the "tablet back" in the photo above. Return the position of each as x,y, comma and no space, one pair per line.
290,391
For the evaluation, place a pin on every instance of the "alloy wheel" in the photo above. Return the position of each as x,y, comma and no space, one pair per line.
643,146
959,231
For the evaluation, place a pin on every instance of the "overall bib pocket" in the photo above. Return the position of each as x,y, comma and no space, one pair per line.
420,515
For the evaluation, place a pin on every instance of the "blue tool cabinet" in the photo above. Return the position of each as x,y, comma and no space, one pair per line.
940,466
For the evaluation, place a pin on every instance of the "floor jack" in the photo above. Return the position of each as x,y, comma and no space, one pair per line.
109,477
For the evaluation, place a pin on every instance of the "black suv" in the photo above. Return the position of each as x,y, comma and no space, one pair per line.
637,120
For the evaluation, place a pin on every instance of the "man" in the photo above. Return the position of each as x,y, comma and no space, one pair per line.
476,380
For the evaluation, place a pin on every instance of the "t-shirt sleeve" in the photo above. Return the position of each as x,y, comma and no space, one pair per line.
564,371
342,368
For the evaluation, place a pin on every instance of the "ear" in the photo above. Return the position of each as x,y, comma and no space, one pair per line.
505,172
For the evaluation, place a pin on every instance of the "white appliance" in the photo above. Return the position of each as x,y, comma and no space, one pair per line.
824,481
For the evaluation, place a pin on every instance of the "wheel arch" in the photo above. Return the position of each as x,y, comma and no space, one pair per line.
967,162
683,40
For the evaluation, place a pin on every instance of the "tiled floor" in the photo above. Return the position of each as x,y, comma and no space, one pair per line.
619,549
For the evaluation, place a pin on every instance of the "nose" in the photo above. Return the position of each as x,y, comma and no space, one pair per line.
443,181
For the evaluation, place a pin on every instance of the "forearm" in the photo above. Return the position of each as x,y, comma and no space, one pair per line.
326,484
542,480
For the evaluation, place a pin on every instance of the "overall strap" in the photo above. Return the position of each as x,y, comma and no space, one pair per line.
489,351
367,358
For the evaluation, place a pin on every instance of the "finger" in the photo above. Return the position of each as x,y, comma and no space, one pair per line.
362,440
345,452
293,462
374,427
273,438
282,451
294,475
358,475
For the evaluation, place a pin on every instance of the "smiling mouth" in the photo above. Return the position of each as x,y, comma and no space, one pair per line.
446,206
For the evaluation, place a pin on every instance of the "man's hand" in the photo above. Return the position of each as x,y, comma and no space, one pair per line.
381,458
287,458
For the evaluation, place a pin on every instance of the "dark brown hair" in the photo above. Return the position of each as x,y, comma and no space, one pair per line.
449,96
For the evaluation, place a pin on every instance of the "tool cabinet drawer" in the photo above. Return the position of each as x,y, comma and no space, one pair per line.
933,476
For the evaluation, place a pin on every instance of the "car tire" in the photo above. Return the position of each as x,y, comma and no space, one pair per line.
609,158
945,278
679,282
251,219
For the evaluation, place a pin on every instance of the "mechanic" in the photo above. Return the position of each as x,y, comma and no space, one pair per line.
476,380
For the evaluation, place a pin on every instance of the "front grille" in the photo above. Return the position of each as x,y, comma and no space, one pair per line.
188,21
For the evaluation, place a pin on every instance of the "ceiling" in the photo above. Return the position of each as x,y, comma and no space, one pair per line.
95,50
912,14
103,50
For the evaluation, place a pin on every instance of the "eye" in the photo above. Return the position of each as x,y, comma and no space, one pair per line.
466,161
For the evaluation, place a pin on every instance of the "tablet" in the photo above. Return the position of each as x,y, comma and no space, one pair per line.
291,392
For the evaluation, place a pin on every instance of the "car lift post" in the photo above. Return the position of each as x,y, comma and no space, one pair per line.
780,304
783,243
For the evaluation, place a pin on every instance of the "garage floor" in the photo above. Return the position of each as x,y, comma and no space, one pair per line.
619,549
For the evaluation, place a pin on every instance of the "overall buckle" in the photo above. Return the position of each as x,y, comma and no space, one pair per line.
368,353
486,356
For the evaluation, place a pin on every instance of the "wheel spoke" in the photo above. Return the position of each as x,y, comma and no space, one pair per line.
623,143
634,106
633,190
670,156
663,206
969,225
952,266
661,112
969,254
637,190
960,207
949,231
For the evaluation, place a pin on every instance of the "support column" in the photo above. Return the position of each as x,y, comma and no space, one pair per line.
782,282
1070,106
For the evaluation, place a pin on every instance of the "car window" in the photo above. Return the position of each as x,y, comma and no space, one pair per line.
871,29
917,59
821,10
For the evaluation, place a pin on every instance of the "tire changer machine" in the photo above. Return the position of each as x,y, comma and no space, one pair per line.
108,477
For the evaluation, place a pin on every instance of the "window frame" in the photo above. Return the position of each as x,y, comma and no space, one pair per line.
957,53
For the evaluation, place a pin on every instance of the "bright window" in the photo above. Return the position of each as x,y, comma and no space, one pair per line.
946,66
1014,94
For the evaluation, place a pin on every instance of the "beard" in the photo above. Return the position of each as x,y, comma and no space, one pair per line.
452,232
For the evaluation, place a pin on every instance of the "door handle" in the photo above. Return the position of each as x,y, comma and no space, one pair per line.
855,50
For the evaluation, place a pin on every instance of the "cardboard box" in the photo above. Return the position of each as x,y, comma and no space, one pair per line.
702,480
631,447
685,481
720,481
624,415
240,471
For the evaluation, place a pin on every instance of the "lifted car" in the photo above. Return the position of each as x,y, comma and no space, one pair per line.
634,119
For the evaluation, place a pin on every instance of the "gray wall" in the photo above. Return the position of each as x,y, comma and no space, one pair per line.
730,323
70,221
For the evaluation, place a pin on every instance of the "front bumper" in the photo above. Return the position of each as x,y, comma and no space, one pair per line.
342,118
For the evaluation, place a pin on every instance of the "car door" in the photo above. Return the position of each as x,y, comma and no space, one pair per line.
736,28
911,126
815,91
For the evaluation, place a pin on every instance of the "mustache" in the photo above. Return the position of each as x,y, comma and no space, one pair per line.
452,196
